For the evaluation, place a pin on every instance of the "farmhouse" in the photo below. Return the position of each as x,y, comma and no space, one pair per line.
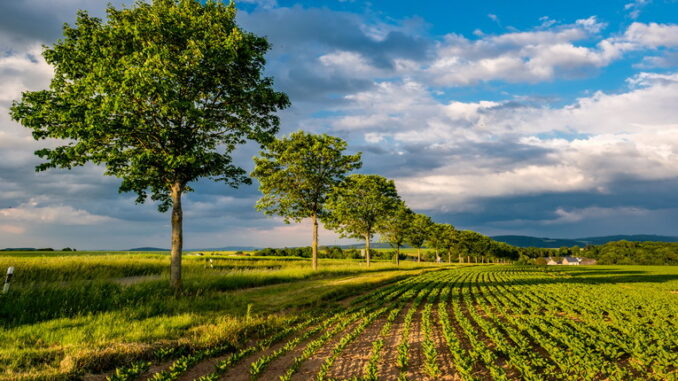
571,261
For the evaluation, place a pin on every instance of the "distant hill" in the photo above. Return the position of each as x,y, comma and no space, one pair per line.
527,241
373,245
228,248
225,248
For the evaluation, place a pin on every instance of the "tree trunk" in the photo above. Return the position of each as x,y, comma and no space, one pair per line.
314,245
449,256
367,248
398,255
177,236
419,254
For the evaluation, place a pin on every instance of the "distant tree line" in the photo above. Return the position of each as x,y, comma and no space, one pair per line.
634,253
611,253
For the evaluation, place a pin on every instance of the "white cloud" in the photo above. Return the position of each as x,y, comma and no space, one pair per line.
634,8
32,212
584,146
652,35
532,56
594,212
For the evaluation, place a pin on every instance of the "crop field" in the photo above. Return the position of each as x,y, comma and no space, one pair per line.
470,323
484,322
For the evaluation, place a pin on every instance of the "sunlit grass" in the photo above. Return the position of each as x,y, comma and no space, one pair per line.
93,310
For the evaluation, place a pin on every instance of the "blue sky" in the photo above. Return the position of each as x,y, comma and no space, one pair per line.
543,118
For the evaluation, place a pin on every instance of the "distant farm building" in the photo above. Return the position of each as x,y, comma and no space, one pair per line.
569,261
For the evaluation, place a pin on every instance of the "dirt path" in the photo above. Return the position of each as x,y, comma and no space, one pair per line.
356,355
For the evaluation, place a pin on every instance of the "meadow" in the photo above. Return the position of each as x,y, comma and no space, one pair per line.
69,313
99,316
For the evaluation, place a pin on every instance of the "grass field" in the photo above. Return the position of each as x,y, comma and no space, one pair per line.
90,311
268,319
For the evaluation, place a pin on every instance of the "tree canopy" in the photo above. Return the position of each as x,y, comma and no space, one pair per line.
448,240
359,205
296,174
418,232
393,228
159,94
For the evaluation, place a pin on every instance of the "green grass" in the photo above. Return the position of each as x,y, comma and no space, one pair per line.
90,311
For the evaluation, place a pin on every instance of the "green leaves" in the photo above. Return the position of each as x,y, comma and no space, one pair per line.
418,232
297,172
158,93
395,226
360,204
441,237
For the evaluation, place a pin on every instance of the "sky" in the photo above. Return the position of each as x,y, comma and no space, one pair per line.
555,119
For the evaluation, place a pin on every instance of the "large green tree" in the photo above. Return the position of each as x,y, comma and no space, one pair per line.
297,172
359,205
160,94
393,228
418,232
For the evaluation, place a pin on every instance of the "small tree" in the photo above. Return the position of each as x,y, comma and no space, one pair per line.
436,238
394,227
160,95
449,239
296,173
418,232
359,205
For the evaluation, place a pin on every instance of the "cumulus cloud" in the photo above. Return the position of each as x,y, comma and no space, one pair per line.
33,212
652,35
584,146
407,100
529,56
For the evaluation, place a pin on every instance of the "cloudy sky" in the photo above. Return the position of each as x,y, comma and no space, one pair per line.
554,118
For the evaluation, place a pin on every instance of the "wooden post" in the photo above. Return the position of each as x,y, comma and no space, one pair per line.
8,279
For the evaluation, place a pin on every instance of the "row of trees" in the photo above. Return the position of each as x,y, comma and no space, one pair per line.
305,175
160,94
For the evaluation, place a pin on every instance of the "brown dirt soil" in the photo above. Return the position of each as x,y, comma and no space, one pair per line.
355,356
445,361
387,363
310,367
416,360
155,369
241,372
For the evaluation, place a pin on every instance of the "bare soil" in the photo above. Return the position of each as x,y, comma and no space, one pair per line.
311,366
387,363
356,355
445,360
416,360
